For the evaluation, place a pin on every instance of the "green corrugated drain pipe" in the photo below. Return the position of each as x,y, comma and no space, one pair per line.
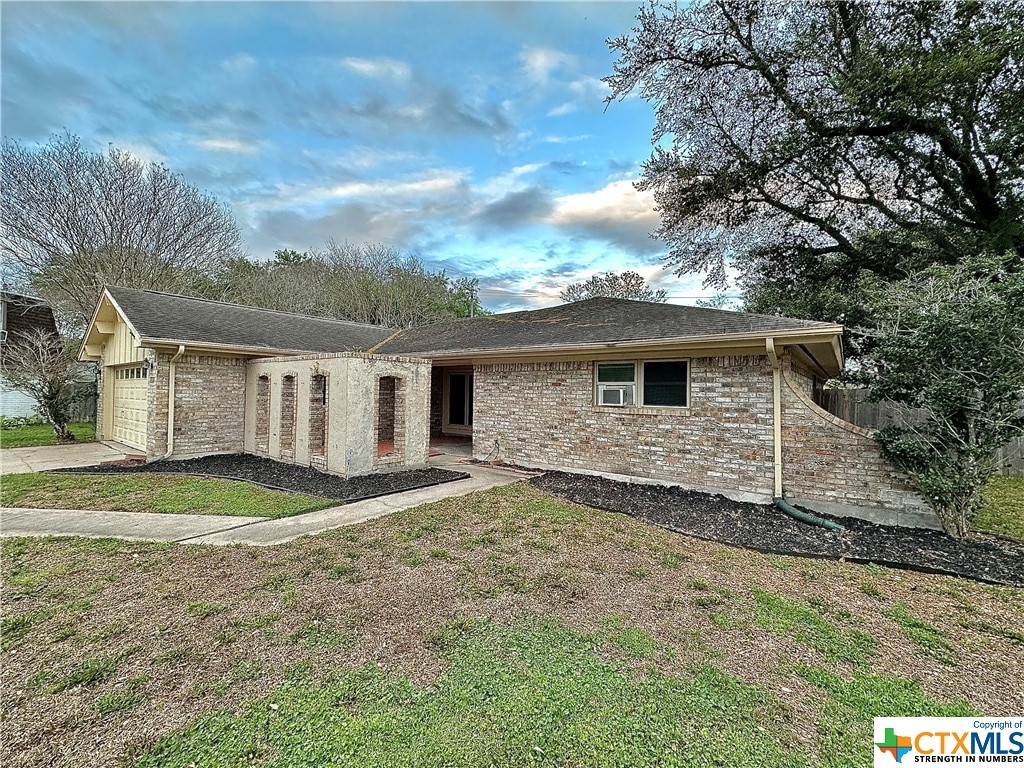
805,517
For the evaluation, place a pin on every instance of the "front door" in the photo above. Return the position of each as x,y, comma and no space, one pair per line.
458,402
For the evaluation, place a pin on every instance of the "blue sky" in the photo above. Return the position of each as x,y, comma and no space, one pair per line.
471,134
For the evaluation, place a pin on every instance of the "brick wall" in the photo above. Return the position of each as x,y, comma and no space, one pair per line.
386,386
543,414
391,409
210,405
289,393
832,466
100,398
263,415
436,402
318,421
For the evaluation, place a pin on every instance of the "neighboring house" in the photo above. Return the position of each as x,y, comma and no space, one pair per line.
716,401
20,314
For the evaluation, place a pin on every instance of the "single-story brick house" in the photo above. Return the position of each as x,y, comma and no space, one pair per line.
712,400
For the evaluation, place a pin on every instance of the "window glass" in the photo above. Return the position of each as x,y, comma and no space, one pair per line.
616,373
665,383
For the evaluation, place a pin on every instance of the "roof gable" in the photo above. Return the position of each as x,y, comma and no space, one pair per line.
157,317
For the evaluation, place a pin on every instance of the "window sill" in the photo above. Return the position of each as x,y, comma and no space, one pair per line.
666,410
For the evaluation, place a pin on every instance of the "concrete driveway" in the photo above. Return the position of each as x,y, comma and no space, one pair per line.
41,458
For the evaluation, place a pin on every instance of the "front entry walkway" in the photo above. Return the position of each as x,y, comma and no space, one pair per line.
220,530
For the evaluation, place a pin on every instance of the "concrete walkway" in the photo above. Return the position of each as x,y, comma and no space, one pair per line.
42,458
221,530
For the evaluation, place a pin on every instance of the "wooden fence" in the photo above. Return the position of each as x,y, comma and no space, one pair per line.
84,408
852,405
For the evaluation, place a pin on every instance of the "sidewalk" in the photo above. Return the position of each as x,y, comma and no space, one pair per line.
221,530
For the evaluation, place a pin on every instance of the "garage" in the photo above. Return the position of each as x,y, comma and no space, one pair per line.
131,406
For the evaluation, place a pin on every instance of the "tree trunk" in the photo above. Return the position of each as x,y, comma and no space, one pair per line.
62,433
956,515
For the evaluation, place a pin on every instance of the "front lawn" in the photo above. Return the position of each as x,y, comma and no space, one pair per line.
34,435
1003,512
502,628
153,493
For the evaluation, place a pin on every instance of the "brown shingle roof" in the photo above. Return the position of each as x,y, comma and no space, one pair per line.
593,321
158,315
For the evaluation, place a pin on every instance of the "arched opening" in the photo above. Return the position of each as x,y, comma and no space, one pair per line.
288,393
263,414
318,419
387,387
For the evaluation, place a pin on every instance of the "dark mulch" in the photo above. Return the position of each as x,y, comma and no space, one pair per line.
287,477
764,528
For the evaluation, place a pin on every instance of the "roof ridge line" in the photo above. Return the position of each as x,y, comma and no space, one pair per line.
372,350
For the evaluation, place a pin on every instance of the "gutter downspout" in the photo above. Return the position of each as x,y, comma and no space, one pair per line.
773,358
778,499
170,401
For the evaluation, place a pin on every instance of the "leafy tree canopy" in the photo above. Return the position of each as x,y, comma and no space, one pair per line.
787,130
621,285
367,283
951,343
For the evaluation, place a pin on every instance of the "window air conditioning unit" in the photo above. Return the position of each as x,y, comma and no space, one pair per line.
618,395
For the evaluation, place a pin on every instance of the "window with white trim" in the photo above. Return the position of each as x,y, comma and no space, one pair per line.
139,372
665,383
616,384
644,383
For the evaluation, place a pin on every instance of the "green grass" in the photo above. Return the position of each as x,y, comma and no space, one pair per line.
108,703
90,672
922,634
784,616
846,706
321,633
1003,512
164,494
202,609
531,694
42,434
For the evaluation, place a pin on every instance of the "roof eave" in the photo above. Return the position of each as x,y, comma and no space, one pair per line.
792,336
234,349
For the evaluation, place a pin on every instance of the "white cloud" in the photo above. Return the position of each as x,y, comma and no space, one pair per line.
563,109
566,139
586,92
382,68
442,182
589,89
227,144
242,62
618,201
143,152
617,214
363,158
505,183
540,63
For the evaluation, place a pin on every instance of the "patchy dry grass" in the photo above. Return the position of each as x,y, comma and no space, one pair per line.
504,628
153,493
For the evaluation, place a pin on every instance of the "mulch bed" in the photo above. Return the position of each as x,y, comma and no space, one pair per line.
286,477
986,558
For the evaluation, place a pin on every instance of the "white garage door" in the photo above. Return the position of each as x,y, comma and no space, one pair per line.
131,406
